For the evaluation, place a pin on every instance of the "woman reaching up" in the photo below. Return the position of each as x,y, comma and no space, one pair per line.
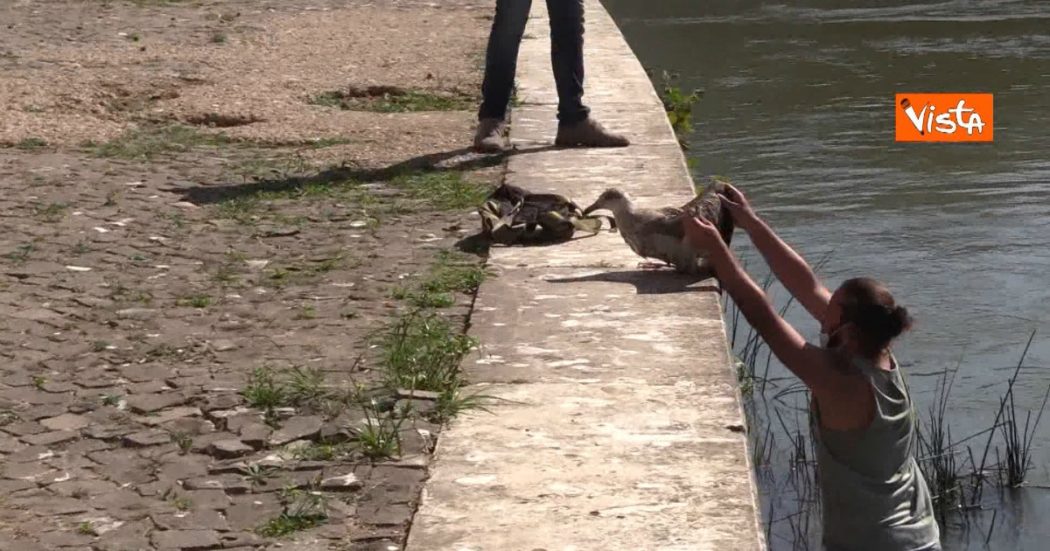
864,424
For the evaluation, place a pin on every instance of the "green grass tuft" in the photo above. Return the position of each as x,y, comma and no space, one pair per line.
194,301
7,417
449,190
302,511
305,386
451,273
306,312
380,437
423,351
454,273
31,144
151,141
247,208
284,525
182,503
259,475
395,101
183,440
452,401
52,212
321,452
21,253
268,389
264,391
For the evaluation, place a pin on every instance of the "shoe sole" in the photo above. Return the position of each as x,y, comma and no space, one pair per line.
581,144
490,148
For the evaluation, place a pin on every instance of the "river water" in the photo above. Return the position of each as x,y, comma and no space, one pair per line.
798,111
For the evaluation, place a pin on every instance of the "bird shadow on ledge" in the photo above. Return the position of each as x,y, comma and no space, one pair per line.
648,282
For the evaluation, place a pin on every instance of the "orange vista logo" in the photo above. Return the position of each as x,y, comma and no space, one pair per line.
944,118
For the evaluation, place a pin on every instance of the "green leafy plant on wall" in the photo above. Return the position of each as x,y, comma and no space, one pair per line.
679,106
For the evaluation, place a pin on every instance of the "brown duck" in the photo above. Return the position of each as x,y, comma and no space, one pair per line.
658,233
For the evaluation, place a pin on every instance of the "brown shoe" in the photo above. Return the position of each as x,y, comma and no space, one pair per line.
489,137
588,133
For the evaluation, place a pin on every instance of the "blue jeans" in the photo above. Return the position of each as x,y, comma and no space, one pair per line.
501,57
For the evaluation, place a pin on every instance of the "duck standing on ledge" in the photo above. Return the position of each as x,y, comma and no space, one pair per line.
658,233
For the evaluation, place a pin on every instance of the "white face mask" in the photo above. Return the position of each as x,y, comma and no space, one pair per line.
825,338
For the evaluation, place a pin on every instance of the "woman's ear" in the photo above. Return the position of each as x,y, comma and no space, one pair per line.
845,335
852,334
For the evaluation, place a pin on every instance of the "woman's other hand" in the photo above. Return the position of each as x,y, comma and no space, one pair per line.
702,234
738,206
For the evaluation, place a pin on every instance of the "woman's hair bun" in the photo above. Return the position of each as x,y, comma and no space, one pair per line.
870,306
900,320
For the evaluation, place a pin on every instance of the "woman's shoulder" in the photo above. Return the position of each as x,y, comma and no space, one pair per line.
843,376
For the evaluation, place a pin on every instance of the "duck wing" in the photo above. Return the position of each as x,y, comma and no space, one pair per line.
664,222
660,235
707,205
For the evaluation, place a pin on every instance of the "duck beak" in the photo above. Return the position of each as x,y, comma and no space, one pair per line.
597,205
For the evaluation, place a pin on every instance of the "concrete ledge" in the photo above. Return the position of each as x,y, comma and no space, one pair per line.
567,320
646,171
568,467
617,424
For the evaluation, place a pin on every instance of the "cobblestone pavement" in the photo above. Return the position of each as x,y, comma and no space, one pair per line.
189,352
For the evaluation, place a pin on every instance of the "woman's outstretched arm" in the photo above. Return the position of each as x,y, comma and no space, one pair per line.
790,268
807,362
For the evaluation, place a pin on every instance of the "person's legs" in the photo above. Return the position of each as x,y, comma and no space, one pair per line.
575,126
501,57
501,62
566,20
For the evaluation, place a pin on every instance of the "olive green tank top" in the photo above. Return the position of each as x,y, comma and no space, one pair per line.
873,494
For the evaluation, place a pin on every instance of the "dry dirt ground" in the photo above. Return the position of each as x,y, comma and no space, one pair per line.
206,235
